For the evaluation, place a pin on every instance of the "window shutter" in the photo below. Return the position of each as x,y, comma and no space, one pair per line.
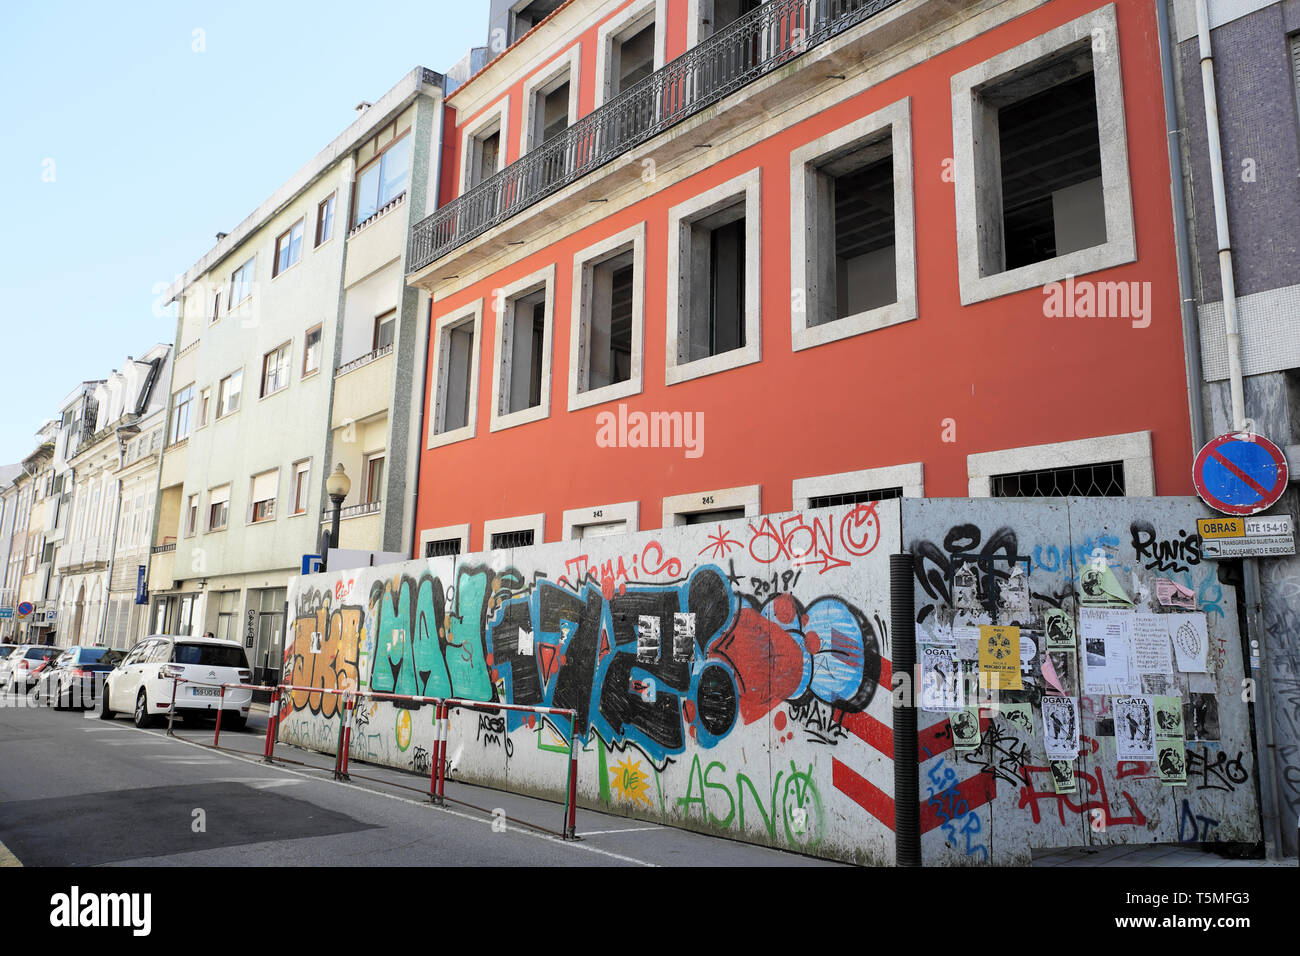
264,486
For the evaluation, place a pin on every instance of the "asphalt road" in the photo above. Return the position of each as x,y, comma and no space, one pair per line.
79,791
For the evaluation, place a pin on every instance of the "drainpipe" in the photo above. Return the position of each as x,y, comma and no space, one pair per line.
1229,287
1261,711
907,766
1182,244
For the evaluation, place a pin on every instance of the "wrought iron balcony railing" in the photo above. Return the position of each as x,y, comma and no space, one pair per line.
352,511
751,47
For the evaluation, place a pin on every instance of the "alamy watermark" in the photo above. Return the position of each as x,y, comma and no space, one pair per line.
1085,299
658,429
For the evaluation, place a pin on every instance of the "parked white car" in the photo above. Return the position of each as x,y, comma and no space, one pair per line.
142,683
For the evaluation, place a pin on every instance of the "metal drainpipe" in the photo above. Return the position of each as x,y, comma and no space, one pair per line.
1182,245
907,768
1262,711
1226,281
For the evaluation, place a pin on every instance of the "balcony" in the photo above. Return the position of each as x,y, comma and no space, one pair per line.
753,46
352,511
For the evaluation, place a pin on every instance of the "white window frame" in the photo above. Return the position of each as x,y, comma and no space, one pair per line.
294,483
504,295
367,492
208,528
187,530
1131,448
575,518
896,121
285,347
535,523
218,416
677,507
275,502
437,392
628,22
498,114
910,477
974,193
251,264
579,326
566,62
288,235
748,188
460,531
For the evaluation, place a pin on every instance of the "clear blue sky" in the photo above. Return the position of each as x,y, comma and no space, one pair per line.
153,148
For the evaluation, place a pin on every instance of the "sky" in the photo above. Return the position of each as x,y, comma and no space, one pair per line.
135,131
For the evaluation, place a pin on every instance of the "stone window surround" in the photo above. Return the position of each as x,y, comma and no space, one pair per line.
746,187
566,62
1132,448
460,531
629,511
630,20
535,523
677,507
500,361
472,313
497,114
909,476
897,120
1120,246
583,261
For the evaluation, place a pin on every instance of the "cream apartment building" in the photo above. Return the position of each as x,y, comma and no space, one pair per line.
298,347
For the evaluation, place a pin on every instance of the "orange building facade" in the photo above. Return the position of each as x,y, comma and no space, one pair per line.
696,258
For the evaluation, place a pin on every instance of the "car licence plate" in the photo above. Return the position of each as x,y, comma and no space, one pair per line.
206,691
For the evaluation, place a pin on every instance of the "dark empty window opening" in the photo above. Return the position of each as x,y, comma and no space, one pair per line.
1105,480
442,547
1050,162
634,59
726,12
716,300
853,231
717,514
554,112
854,497
529,15
609,330
486,155
454,377
512,539
527,330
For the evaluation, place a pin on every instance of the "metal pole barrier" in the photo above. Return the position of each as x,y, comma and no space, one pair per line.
436,764
442,753
171,711
221,705
270,726
350,706
571,799
339,773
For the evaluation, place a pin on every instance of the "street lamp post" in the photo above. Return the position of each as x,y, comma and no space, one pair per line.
337,487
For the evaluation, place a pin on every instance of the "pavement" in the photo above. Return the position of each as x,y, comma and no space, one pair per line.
1156,855
79,791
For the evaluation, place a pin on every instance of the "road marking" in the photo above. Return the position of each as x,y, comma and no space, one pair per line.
263,783
126,743
488,822
172,758
626,830
7,858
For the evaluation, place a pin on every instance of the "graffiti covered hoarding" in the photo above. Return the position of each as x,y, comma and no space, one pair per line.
731,677
1112,604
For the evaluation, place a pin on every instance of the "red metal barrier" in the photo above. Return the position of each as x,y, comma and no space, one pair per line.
271,722
216,737
569,830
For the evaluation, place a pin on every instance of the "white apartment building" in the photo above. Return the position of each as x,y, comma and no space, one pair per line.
293,355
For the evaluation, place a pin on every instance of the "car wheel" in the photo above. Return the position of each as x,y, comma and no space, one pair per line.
104,712
142,716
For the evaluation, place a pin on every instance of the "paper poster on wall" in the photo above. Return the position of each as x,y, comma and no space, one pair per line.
1098,587
525,642
1201,717
1171,762
683,637
967,641
1019,716
965,588
1059,627
1013,592
1135,736
1191,641
965,729
647,639
1172,594
1151,644
1063,776
1061,727
999,657
942,679
1107,635
1169,717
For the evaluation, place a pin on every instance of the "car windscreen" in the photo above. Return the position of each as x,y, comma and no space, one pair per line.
209,655
40,653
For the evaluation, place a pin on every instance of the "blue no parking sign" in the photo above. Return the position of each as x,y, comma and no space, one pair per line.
1240,474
